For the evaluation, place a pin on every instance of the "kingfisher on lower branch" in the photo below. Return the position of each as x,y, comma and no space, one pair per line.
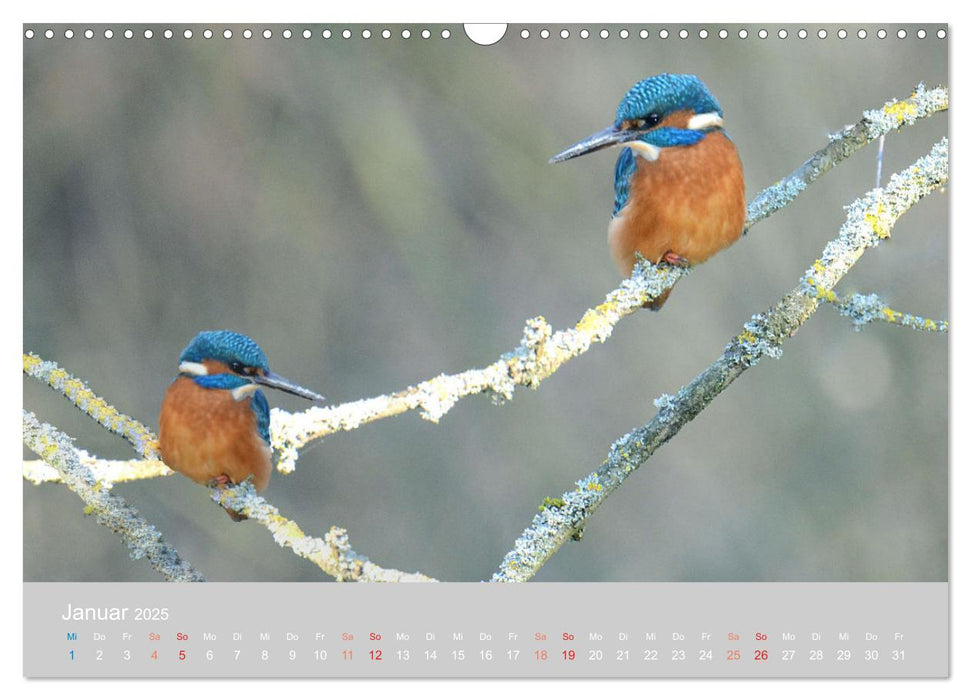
679,193
214,425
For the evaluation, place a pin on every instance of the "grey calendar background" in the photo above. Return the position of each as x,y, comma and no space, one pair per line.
376,212
805,630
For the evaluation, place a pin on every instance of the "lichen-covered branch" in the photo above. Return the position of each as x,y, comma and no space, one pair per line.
543,351
143,439
333,553
874,124
862,309
869,220
107,471
141,538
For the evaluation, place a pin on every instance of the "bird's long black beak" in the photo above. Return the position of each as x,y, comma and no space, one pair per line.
611,136
275,381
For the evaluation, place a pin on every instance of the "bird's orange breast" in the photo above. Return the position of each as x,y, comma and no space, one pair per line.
690,202
206,433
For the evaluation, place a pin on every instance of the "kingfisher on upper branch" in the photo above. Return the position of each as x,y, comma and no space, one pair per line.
679,194
214,425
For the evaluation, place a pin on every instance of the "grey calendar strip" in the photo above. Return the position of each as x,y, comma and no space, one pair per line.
475,630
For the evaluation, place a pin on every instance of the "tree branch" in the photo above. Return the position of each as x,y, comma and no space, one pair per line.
868,221
143,439
141,538
107,471
863,309
332,554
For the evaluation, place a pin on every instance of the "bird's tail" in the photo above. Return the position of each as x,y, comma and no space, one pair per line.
656,304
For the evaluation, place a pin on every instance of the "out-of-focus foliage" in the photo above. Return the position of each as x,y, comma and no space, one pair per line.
376,212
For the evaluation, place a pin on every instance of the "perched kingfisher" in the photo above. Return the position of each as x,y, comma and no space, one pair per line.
679,194
215,422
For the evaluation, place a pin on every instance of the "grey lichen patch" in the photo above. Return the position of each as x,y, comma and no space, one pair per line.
348,564
776,197
759,338
862,309
666,406
649,281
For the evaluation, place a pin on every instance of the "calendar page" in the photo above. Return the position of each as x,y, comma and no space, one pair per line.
485,351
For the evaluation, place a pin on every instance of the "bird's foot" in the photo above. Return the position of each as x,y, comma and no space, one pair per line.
219,482
672,258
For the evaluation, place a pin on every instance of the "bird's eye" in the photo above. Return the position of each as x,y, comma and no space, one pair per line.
649,121
237,367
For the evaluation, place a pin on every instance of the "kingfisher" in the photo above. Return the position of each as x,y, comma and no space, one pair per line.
679,193
214,425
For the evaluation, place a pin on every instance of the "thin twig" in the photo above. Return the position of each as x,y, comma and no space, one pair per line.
867,308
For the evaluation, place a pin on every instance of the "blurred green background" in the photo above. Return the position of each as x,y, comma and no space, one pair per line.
376,212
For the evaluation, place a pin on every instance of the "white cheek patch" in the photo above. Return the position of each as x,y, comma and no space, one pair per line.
196,369
644,150
700,122
241,392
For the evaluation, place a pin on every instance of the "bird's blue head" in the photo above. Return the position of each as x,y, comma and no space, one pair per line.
664,94
642,113
234,350
246,364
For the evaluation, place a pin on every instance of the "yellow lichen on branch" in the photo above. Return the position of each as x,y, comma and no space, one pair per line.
143,439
